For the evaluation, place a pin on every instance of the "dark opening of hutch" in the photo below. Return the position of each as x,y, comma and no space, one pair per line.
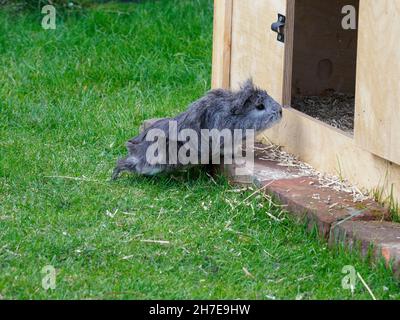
324,62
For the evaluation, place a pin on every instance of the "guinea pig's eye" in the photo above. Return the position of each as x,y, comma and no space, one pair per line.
260,107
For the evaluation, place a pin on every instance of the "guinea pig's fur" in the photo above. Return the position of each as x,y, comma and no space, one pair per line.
247,108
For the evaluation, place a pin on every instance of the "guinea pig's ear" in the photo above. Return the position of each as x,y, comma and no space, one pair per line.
248,85
244,97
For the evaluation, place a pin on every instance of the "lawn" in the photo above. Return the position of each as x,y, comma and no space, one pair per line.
69,99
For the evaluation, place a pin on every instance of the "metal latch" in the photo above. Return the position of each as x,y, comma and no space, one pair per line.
279,27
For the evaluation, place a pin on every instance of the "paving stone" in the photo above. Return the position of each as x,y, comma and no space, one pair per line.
335,214
322,207
305,197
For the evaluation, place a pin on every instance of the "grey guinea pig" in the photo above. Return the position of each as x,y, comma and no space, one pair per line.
247,108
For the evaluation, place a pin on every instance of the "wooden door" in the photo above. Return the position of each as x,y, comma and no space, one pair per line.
377,123
255,51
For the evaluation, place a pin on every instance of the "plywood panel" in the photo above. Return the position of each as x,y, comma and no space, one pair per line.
256,52
222,44
377,125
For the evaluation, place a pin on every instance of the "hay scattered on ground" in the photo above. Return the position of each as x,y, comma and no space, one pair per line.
335,109
276,154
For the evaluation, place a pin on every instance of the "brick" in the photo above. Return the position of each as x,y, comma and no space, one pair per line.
322,207
335,215
306,198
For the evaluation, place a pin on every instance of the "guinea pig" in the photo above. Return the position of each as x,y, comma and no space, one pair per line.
249,108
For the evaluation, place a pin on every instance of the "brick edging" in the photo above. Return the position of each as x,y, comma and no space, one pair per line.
338,219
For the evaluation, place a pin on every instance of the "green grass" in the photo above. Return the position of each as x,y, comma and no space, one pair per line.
69,99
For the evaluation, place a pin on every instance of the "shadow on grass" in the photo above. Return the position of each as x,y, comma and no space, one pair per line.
189,177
